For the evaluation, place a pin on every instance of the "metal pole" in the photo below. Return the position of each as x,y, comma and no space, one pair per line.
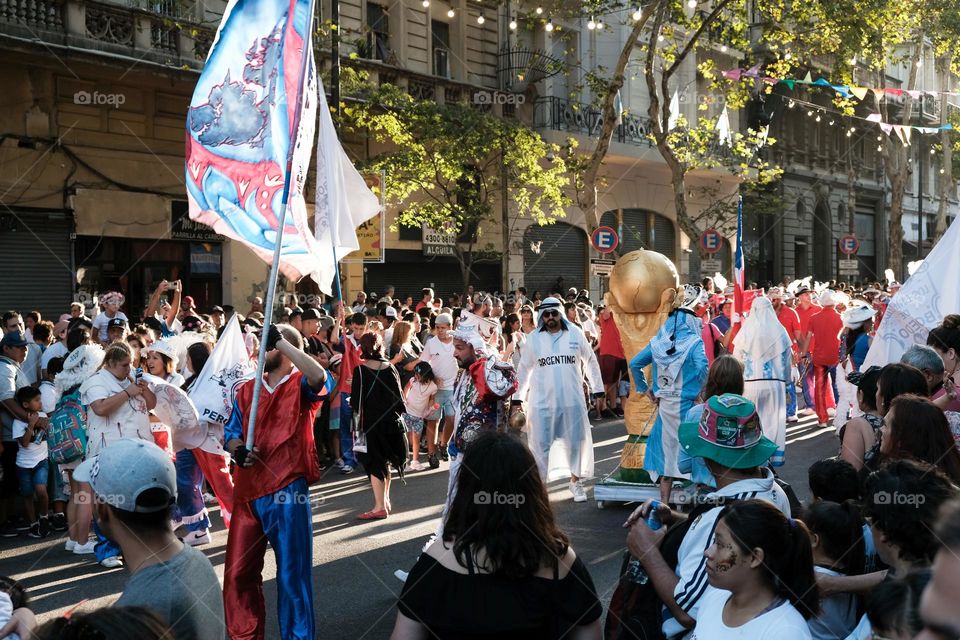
275,267
335,61
920,206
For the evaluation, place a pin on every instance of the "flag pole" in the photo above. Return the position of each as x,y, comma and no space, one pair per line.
307,56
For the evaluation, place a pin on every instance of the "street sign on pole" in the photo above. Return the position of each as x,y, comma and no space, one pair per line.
849,267
848,244
710,266
711,241
601,266
604,239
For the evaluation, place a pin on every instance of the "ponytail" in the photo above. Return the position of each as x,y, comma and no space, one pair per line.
787,555
840,527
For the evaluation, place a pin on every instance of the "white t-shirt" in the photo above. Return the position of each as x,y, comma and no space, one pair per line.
782,623
48,396
418,398
58,350
440,357
130,420
100,324
30,455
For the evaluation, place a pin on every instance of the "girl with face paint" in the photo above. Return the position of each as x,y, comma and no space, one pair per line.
760,566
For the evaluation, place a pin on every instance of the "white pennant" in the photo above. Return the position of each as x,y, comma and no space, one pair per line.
723,128
674,111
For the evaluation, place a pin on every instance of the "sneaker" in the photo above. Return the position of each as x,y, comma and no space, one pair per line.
58,521
111,562
9,531
339,463
33,531
401,575
44,526
576,488
346,469
86,548
433,460
793,419
70,545
197,538
22,526
416,465
444,455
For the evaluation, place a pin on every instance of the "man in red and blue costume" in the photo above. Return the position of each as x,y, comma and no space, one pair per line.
271,493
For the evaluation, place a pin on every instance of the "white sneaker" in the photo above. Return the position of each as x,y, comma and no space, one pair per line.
86,548
112,562
70,545
197,538
401,575
576,488
792,419
416,465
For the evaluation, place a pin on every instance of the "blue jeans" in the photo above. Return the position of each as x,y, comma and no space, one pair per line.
791,399
32,477
346,435
807,382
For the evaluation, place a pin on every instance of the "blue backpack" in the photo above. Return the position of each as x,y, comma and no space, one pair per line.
67,435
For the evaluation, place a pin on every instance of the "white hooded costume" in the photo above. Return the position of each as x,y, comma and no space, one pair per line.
551,374
765,350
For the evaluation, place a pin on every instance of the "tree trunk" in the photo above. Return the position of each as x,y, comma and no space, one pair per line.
946,162
898,169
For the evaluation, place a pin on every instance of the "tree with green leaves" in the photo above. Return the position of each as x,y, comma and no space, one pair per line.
449,166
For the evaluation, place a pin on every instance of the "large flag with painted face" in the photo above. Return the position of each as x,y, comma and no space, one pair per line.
932,292
256,98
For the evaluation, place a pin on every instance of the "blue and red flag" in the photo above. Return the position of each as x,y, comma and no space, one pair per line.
256,98
738,265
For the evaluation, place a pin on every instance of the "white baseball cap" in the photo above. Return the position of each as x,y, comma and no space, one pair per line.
125,469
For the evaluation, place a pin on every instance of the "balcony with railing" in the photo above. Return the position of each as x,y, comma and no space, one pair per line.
165,32
559,114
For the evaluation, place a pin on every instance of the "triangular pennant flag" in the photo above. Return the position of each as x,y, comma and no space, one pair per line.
723,128
894,92
674,111
874,117
822,82
807,79
886,128
898,129
907,132
789,83
947,127
770,80
753,71
878,93
860,92
842,90
915,94
733,74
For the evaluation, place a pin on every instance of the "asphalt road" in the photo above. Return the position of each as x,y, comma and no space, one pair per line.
355,590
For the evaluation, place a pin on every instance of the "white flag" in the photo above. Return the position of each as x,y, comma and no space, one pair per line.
214,390
674,111
343,200
920,305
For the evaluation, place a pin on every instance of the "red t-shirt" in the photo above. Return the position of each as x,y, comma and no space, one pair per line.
791,322
610,344
826,327
804,315
284,436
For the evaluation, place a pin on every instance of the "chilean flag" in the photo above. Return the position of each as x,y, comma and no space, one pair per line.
738,265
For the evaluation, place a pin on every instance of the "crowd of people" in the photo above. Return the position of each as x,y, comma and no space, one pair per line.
500,386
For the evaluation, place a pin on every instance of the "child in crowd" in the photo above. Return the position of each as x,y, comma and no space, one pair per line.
32,466
836,480
838,550
59,495
419,399
17,622
761,567
894,606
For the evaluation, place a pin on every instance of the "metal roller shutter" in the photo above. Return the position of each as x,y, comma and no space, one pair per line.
36,255
554,257
633,233
664,237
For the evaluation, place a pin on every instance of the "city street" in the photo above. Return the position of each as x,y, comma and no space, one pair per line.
354,586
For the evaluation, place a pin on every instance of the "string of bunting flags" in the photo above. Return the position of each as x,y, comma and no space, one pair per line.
903,132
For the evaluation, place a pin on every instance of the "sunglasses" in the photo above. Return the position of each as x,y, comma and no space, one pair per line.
548,314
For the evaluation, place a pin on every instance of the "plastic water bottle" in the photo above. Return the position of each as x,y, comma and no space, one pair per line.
635,571
652,520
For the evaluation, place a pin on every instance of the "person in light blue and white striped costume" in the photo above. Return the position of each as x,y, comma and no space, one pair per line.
763,346
679,371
